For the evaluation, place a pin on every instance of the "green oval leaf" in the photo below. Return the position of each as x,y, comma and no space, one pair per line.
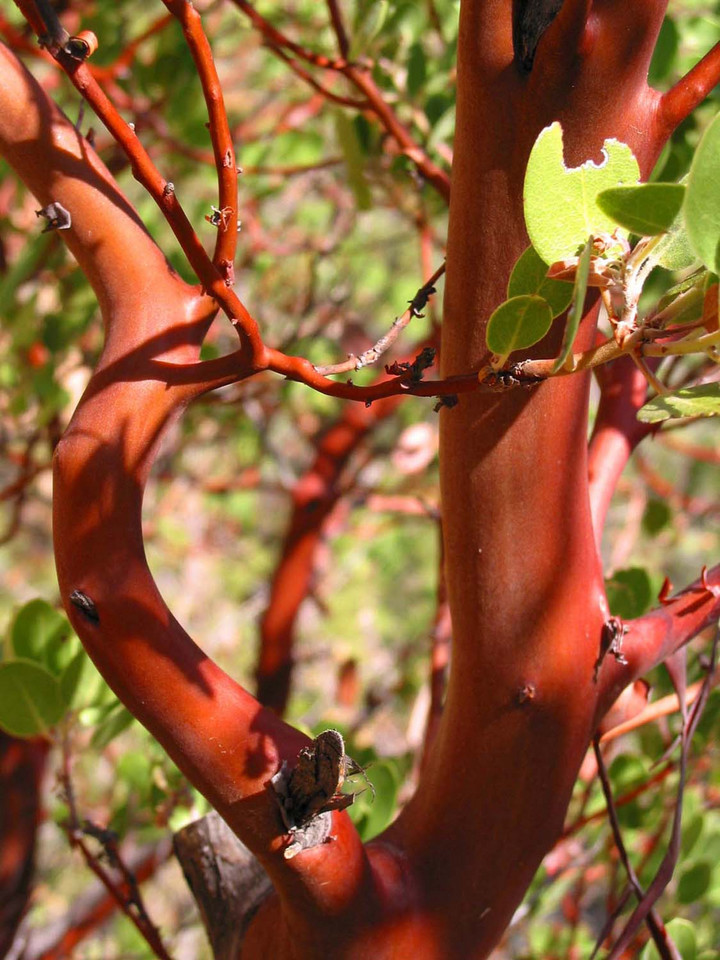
700,401
674,251
702,199
656,517
416,69
694,882
518,323
529,276
61,648
561,203
30,701
368,24
683,933
645,209
34,627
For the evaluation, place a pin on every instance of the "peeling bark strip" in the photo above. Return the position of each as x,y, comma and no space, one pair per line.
58,218
225,878
611,642
85,605
531,18
309,793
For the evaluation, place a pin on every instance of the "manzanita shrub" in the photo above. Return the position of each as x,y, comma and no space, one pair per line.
583,241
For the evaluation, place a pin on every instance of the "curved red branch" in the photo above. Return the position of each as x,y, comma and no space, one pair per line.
680,101
654,637
214,730
162,191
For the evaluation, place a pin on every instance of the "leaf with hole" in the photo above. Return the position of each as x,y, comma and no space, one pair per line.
561,207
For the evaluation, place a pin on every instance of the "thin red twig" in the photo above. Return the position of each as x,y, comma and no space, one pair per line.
360,77
338,27
220,135
125,892
374,353
666,948
161,190
308,78
277,39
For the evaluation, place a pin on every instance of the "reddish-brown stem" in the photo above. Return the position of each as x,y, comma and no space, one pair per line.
58,940
658,634
216,732
524,580
655,925
388,339
616,433
278,39
338,27
220,136
659,708
361,79
430,171
124,889
161,191
581,822
308,78
690,90
297,368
